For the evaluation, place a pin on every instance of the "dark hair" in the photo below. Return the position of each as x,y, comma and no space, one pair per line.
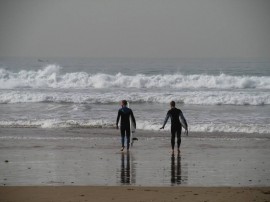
124,102
172,103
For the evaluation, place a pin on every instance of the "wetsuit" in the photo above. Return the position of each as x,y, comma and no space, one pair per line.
125,113
176,126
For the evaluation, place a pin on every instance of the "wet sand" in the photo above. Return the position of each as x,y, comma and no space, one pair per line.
68,163
92,157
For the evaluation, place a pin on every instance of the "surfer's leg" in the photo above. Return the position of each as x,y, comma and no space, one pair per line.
178,138
173,131
128,136
123,136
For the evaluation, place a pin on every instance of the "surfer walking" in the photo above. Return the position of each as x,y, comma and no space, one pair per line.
125,113
177,122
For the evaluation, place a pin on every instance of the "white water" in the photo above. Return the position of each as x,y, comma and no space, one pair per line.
70,95
51,77
187,97
143,125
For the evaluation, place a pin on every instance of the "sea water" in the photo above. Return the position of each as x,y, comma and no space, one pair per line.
216,95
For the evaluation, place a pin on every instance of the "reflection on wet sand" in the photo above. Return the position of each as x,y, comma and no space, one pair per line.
177,176
128,175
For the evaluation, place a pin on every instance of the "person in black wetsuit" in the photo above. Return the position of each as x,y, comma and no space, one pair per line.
177,122
124,112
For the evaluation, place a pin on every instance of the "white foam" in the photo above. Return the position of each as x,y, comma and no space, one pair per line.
51,77
143,125
188,97
55,123
213,127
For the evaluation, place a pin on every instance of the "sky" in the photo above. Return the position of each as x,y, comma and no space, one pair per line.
135,28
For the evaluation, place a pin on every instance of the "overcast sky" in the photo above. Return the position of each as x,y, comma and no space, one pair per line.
135,28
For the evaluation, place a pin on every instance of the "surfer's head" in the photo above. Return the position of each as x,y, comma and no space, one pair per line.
123,103
172,104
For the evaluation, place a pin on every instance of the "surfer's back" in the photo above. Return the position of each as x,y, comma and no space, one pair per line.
174,113
125,113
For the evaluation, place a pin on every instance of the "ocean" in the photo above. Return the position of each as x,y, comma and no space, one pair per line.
216,95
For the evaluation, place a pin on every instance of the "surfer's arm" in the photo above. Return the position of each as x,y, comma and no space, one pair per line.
165,121
133,119
117,120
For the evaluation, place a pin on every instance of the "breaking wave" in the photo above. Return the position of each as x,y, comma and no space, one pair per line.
51,77
194,97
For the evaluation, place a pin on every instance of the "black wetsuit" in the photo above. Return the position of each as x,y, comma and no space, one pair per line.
125,113
176,126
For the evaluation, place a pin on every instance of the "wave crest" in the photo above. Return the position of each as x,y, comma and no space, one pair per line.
51,77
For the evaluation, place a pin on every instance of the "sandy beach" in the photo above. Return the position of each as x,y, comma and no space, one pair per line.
162,194
86,165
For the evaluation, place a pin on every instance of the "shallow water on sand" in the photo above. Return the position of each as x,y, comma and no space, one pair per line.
92,157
